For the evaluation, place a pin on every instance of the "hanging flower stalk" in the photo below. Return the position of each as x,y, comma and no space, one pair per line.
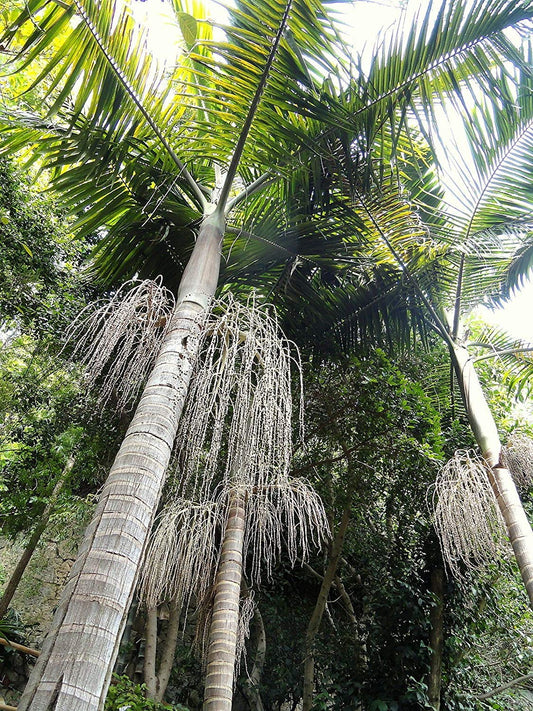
117,340
517,456
467,519
234,451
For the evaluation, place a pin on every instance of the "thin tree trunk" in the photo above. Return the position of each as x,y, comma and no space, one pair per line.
168,651
74,669
318,612
222,643
38,531
150,652
436,638
156,679
486,434
251,685
348,606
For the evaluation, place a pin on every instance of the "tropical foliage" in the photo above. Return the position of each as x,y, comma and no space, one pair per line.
312,171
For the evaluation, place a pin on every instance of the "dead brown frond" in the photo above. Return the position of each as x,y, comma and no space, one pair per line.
517,456
466,515
117,340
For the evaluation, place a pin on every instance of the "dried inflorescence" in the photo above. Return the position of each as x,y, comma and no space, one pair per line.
239,406
287,515
181,558
517,456
117,340
466,515
235,440
246,614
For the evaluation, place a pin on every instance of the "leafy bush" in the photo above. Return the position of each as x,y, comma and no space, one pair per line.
126,695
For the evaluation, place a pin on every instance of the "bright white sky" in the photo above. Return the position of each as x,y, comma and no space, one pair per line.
364,19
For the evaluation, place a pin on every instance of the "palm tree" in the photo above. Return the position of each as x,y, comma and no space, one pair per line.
166,165
430,261
231,494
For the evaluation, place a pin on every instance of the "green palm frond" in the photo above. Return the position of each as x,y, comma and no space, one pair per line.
519,269
515,355
489,218
375,271
444,55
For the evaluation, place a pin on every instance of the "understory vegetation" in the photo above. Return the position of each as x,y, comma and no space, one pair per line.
258,450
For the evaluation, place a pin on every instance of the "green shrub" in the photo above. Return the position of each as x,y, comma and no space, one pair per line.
125,695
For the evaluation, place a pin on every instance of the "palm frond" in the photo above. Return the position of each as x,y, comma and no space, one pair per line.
513,354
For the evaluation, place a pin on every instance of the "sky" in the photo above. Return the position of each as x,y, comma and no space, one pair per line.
364,20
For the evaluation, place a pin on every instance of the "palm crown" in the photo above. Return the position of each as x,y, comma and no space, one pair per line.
141,151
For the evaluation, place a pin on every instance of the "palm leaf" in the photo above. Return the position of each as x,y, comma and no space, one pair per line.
515,355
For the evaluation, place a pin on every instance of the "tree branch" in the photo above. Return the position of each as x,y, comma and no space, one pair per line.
19,647
504,687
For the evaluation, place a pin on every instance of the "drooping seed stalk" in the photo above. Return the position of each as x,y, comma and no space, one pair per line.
235,436
467,520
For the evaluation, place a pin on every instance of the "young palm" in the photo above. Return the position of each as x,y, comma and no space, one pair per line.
161,162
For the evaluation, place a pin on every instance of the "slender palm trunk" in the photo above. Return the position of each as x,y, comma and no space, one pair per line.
38,531
436,638
318,612
222,644
74,669
486,434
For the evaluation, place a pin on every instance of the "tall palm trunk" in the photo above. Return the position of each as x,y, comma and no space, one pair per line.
35,537
222,643
486,434
74,669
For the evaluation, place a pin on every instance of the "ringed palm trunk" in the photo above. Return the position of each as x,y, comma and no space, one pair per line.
222,641
486,434
75,666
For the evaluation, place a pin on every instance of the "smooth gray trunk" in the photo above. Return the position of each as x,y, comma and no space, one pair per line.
488,440
156,677
74,669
